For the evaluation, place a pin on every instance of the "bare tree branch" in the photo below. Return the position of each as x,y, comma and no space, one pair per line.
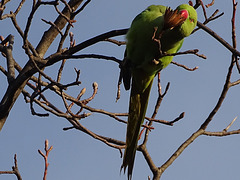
14,169
16,87
45,156
76,107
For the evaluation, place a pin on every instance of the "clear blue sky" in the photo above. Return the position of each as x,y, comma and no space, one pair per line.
75,155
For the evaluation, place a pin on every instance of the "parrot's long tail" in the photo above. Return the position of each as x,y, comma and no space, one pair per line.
137,110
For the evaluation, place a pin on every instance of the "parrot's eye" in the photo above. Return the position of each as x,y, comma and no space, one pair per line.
191,20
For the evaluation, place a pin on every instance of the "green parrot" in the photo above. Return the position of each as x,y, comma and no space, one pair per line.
154,32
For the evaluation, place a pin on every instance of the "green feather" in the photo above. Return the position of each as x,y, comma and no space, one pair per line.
143,63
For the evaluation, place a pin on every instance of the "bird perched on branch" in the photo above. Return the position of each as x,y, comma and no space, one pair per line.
155,32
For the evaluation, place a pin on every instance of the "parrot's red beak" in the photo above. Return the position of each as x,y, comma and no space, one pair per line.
184,14
174,18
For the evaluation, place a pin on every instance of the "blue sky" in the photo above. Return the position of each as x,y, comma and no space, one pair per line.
76,155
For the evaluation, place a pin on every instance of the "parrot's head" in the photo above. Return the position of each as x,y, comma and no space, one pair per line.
183,18
190,16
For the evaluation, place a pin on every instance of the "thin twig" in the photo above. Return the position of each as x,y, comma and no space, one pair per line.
70,21
95,56
119,43
54,25
185,67
194,51
210,4
14,169
107,141
95,89
204,10
82,8
45,156
60,70
170,123
226,129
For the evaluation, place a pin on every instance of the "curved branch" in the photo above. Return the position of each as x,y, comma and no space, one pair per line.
180,150
95,56
218,38
67,53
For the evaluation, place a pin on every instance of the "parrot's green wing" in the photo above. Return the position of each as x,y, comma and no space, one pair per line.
156,28
139,37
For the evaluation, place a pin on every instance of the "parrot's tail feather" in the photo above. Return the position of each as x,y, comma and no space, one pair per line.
137,110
